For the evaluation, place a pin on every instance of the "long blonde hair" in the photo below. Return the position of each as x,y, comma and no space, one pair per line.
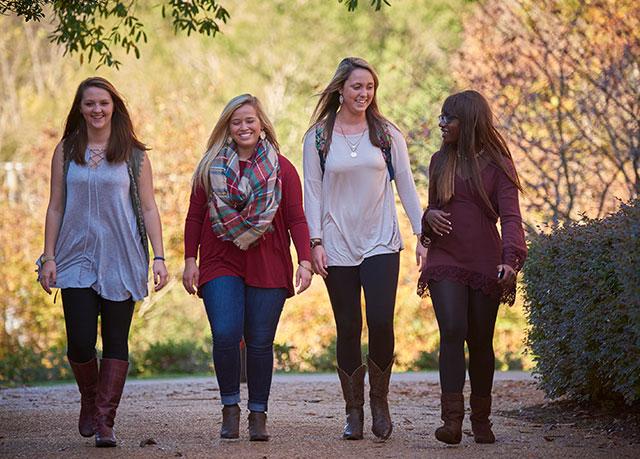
221,135
329,103
477,133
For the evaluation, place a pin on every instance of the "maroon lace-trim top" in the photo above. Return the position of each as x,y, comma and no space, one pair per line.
472,251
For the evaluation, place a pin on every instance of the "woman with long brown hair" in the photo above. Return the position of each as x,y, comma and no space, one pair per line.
245,207
100,216
352,154
470,269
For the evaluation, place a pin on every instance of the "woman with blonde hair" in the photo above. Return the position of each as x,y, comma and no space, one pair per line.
245,207
101,211
470,269
351,156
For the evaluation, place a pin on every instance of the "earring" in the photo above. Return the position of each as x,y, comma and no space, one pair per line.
341,99
263,135
228,141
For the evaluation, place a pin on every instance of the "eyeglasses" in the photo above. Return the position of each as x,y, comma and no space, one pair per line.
446,119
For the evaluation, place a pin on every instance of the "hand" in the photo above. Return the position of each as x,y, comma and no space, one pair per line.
421,255
319,261
509,275
437,221
47,275
190,276
304,274
160,274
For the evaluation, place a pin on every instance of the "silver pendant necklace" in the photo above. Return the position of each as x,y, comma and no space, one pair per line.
353,146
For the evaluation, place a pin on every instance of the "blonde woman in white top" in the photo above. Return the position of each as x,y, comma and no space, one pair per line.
352,154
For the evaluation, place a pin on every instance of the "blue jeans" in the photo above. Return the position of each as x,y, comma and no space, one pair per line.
236,310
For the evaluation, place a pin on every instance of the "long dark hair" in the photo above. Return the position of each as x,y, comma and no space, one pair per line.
477,134
329,103
123,138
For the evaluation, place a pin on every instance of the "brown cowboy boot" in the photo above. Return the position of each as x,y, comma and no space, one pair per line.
230,421
353,393
480,424
381,425
113,374
86,375
452,406
258,426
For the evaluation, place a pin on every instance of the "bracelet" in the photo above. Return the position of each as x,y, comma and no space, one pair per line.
306,269
158,258
44,258
316,242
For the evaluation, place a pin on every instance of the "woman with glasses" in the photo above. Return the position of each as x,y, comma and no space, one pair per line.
352,154
470,269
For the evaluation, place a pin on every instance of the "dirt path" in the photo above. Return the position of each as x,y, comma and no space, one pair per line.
305,420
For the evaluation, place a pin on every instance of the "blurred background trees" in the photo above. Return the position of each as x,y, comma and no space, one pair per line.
569,113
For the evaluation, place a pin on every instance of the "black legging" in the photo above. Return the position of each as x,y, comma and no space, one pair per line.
464,314
378,276
81,309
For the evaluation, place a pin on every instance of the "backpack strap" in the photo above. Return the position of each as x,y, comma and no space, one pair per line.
384,137
321,145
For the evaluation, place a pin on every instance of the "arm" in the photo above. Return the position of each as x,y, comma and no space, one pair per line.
192,231
514,248
313,199
434,220
296,223
152,223
407,191
53,220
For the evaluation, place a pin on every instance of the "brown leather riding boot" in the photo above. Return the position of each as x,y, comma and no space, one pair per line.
230,421
113,374
258,426
86,375
452,406
353,393
381,424
480,424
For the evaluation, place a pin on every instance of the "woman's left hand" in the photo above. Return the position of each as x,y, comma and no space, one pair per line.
303,276
160,274
421,255
508,276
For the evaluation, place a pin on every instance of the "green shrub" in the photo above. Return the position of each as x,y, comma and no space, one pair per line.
24,365
582,286
170,356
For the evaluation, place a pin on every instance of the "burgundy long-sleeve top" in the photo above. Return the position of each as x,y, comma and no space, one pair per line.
472,251
267,264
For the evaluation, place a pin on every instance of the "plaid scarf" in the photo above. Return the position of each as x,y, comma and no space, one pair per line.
242,207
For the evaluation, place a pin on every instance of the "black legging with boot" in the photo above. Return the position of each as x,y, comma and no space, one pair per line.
378,277
464,314
100,389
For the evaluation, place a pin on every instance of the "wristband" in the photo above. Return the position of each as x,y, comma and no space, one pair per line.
315,242
158,258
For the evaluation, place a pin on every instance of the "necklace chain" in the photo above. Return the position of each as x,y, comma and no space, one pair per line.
352,146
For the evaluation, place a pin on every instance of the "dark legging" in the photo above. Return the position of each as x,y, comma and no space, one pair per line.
378,276
464,314
81,309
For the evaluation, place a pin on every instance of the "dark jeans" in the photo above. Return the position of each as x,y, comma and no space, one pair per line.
81,309
236,310
464,314
378,276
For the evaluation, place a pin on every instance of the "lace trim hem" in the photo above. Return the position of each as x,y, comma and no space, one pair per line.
475,280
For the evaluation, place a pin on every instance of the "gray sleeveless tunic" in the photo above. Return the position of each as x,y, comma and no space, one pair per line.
98,244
